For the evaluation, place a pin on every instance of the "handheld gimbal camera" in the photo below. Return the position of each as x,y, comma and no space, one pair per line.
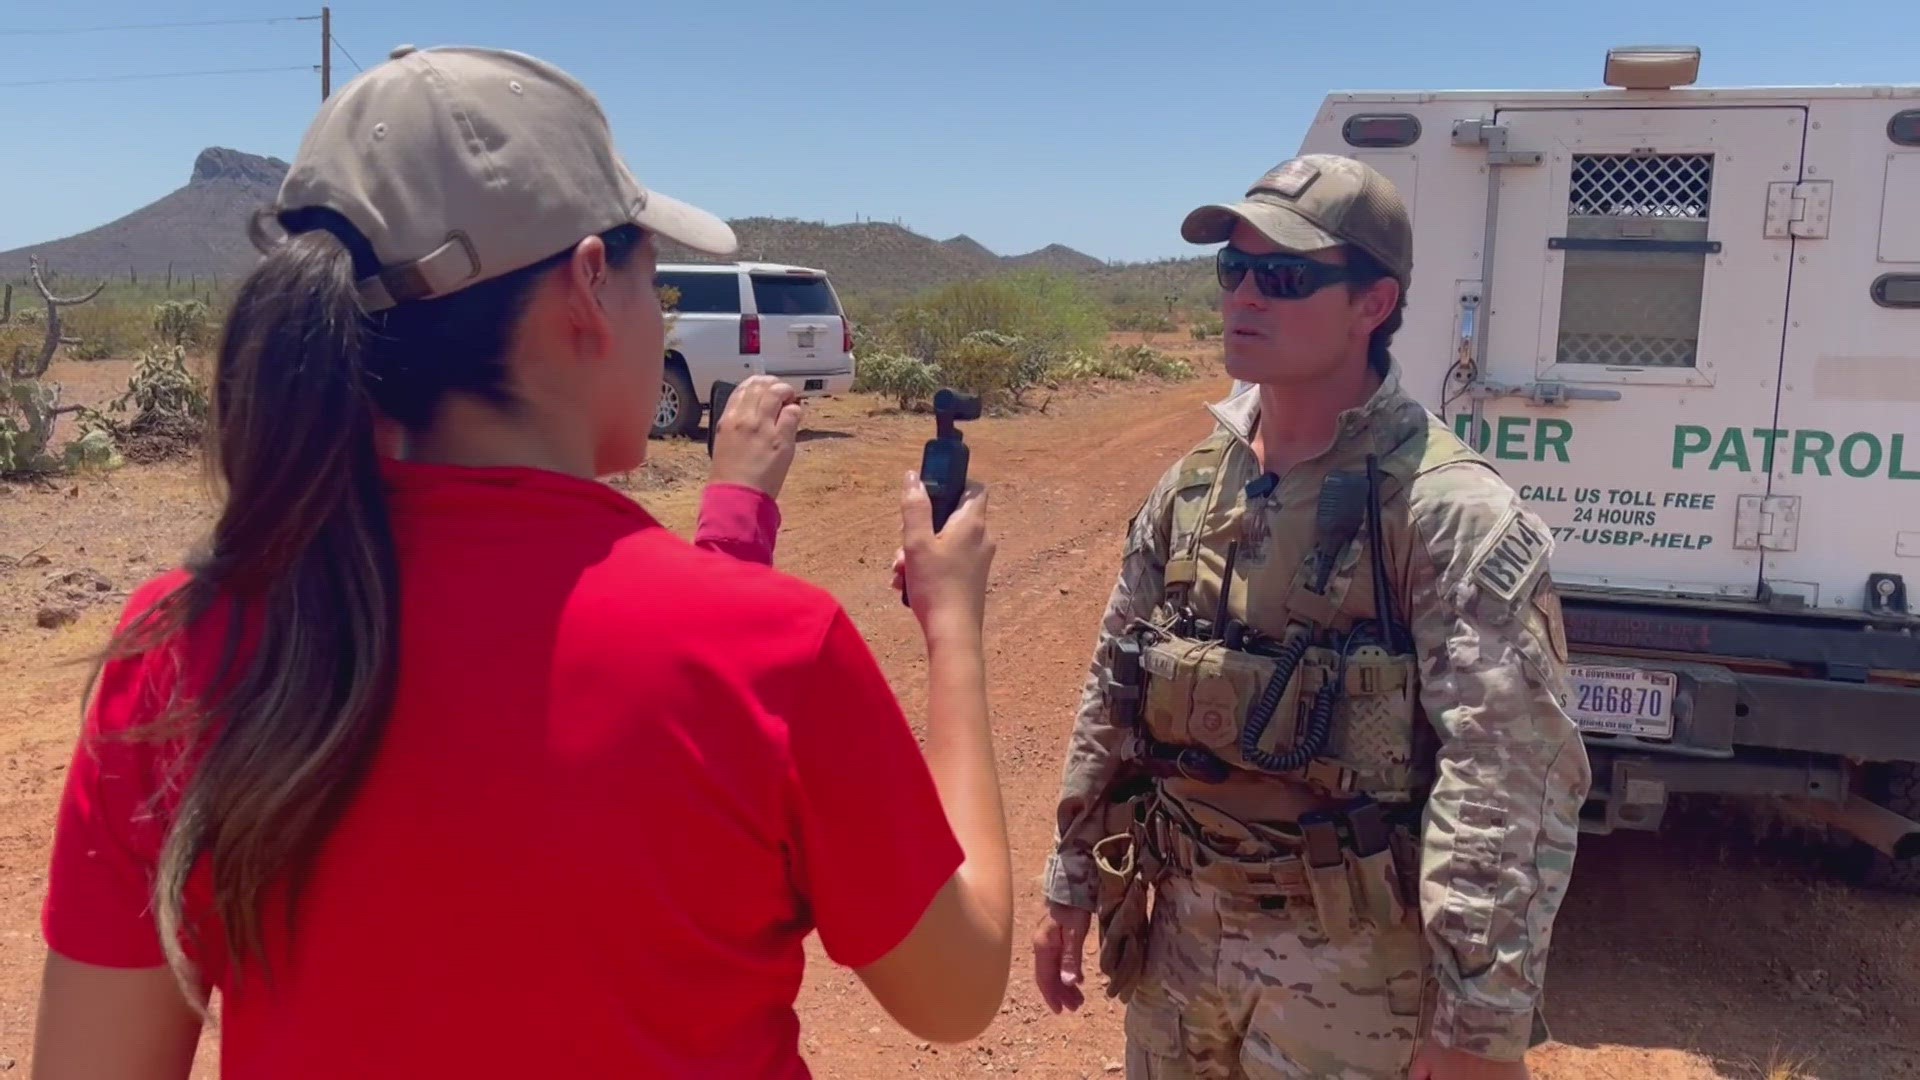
943,461
721,392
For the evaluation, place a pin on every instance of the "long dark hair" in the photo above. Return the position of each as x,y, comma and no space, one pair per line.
302,553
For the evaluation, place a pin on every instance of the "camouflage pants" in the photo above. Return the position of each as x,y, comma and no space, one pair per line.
1237,988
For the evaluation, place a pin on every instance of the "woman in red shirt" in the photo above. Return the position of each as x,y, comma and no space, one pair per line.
455,762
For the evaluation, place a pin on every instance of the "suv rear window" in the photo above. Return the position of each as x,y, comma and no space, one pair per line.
784,294
704,294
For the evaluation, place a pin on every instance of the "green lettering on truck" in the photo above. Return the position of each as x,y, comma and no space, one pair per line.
1898,456
1508,437
1689,439
1847,456
1551,434
1733,451
1862,454
1802,451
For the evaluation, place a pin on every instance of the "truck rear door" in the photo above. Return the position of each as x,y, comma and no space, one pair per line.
799,322
1633,341
1840,528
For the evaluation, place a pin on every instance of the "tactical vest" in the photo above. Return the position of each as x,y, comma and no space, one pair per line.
1268,649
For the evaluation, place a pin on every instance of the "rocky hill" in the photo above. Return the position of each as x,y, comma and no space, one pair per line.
199,231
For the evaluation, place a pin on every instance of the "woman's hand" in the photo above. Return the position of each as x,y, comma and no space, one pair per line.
753,440
944,573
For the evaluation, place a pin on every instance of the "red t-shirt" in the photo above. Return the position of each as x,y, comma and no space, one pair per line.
624,778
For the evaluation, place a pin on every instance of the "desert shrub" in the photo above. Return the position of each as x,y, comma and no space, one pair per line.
1122,363
18,345
1206,326
1151,322
1051,313
982,363
1081,365
909,380
1142,360
26,430
669,315
181,322
91,348
26,424
169,403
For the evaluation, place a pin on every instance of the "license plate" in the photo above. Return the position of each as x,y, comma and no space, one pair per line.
1622,701
805,338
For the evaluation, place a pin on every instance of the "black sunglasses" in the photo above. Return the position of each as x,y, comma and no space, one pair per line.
1279,276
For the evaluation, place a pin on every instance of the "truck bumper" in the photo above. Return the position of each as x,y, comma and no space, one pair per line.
818,383
1745,734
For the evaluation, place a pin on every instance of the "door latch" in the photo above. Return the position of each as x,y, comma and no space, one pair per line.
1542,393
1494,138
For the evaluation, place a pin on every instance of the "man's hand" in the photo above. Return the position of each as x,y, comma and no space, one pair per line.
753,440
1440,1063
1057,947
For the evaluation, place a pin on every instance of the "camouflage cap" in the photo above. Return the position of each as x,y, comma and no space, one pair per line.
462,164
1317,201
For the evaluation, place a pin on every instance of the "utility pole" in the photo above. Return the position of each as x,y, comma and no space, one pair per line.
326,52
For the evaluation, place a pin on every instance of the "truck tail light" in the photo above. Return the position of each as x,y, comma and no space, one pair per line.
846,334
750,335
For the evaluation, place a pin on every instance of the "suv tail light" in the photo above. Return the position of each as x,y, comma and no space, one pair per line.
749,335
846,335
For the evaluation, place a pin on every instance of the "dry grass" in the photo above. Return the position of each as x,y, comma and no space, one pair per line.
1784,1068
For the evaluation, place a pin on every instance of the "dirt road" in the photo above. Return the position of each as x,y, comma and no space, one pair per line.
1694,955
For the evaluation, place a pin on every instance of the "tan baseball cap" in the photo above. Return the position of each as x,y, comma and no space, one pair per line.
462,164
1317,201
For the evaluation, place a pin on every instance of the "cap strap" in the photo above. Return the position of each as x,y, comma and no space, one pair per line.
436,274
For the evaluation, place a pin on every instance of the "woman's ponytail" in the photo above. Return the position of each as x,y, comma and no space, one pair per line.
302,554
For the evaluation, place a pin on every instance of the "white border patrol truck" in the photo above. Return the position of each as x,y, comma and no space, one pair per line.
1684,323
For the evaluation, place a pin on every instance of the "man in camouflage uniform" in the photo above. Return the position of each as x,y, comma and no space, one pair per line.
1356,820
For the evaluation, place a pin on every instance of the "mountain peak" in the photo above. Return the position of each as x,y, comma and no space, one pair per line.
220,163
1058,257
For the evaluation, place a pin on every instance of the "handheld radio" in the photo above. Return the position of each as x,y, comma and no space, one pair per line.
944,459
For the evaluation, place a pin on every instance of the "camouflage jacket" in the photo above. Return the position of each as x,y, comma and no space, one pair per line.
1510,771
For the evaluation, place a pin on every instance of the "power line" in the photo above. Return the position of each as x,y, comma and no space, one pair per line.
345,53
156,75
179,25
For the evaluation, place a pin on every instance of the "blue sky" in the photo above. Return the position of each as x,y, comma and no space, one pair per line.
1020,124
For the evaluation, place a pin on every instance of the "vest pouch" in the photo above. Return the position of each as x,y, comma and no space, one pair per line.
1201,693
1333,900
1373,722
1377,885
1121,911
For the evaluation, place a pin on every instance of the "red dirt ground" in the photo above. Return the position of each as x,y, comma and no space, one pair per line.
1699,953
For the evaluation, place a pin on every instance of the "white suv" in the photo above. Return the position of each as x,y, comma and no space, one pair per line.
733,320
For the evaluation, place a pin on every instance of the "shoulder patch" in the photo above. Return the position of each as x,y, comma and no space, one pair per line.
1508,563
